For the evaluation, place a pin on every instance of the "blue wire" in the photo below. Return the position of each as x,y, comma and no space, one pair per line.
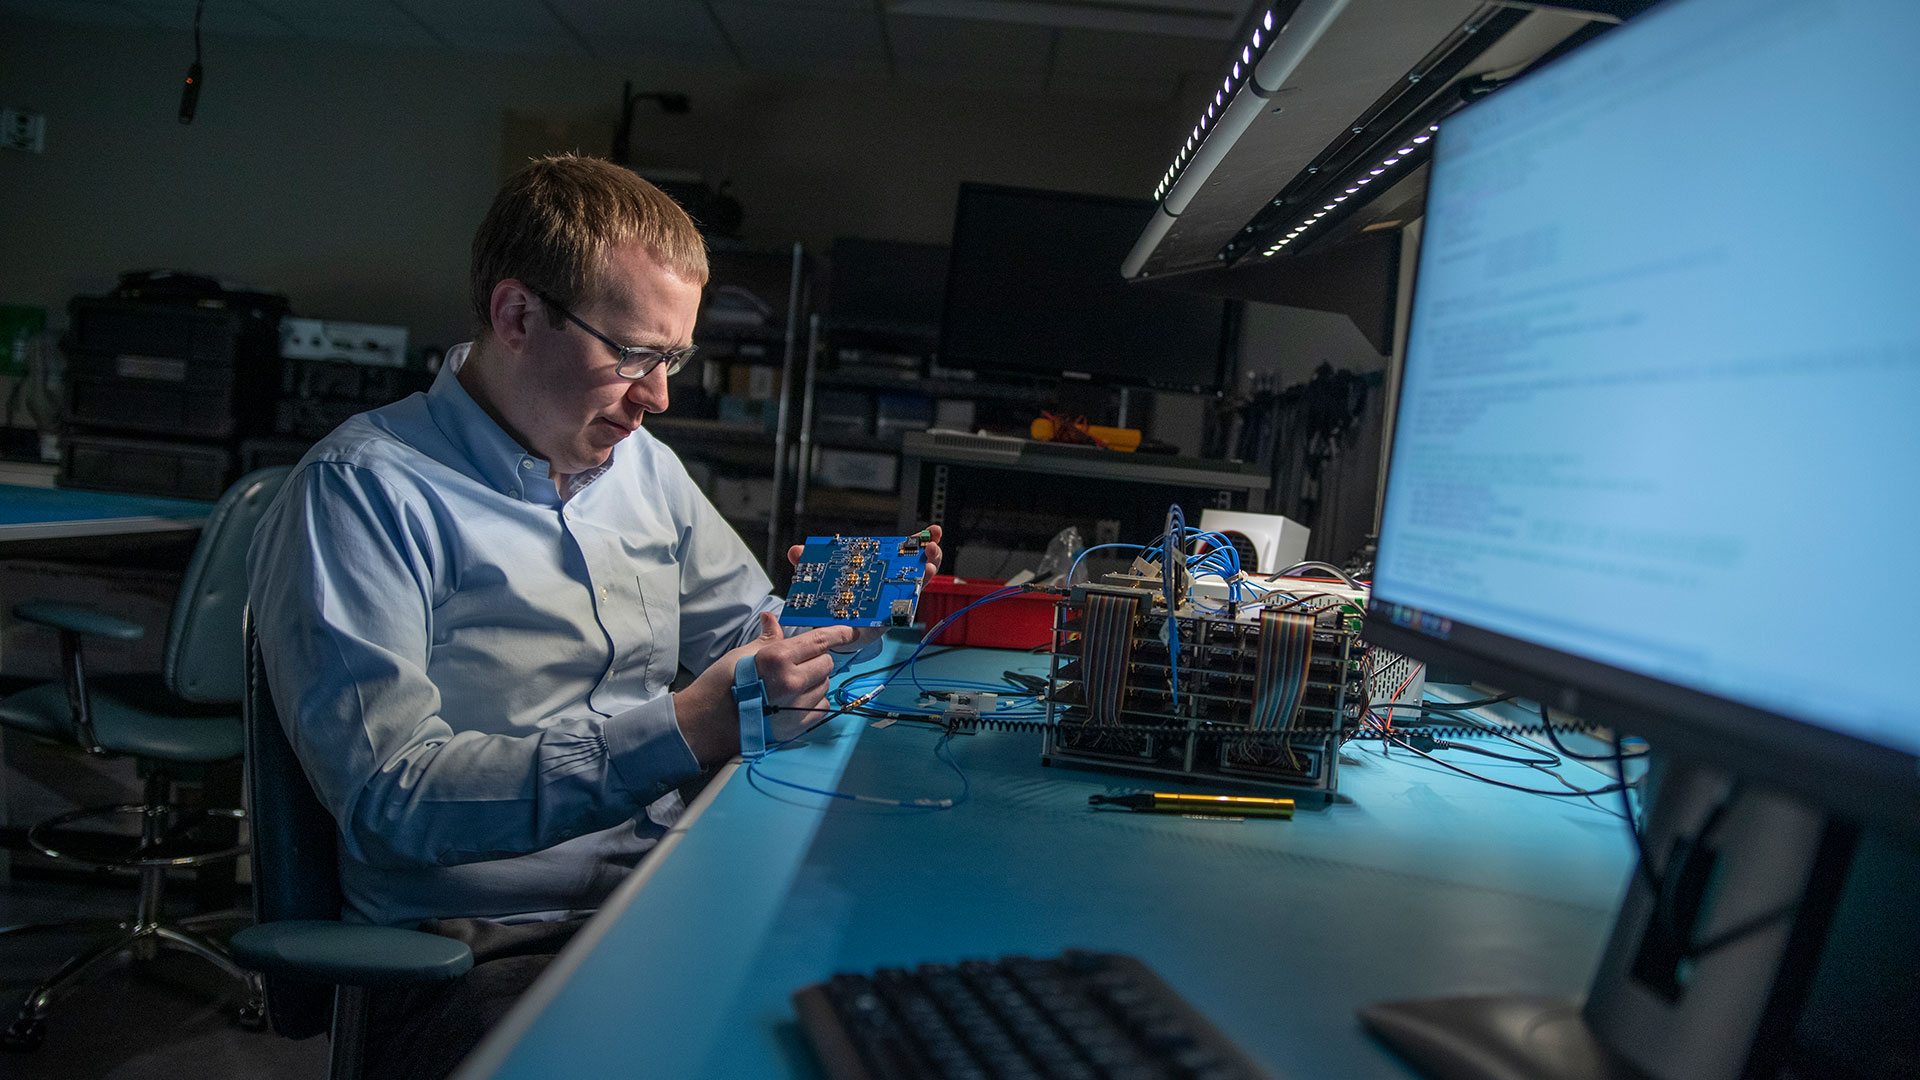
940,750
1084,552
934,631
1177,527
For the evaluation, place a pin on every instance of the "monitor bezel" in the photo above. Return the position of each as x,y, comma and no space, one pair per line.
1229,314
1849,777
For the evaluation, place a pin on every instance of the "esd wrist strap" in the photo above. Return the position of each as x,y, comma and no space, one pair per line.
750,697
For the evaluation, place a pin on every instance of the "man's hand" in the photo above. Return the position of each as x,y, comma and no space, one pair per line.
866,635
795,671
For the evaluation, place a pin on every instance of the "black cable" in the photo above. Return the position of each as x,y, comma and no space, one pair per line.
1493,730
1734,933
1455,706
1546,724
190,92
1564,782
1575,793
1548,762
1315,564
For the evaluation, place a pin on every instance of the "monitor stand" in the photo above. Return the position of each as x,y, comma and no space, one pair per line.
1712,980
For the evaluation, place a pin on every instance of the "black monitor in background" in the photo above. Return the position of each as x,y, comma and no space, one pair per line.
1657,464
887,289
1035,288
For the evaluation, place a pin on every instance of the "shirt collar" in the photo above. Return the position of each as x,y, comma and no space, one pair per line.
503,464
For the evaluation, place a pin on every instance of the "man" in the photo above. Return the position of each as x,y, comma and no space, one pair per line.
471,603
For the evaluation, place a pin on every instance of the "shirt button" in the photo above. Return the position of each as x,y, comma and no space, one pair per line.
526,463
513,493
603,592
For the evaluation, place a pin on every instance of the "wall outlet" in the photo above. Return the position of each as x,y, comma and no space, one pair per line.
23,130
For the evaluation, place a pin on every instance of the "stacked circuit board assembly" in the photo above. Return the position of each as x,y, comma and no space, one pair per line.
1258,695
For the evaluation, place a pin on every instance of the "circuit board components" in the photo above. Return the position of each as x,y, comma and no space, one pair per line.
1257,695
857,581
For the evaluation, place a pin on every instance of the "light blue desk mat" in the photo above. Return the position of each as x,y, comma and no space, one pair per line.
1424,883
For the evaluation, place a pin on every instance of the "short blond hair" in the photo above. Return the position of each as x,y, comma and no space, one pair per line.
555,221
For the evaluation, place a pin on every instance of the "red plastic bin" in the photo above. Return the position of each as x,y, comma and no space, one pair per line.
1021,621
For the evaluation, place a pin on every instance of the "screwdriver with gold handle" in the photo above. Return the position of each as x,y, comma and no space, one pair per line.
1161,802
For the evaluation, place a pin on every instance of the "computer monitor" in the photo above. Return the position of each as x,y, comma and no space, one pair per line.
1035,288
1657,464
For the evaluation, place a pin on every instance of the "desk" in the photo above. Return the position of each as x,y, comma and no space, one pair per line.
30,513
1423,883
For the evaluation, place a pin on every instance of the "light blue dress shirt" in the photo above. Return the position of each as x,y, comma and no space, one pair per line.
474,669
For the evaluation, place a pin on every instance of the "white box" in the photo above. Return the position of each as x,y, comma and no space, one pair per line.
358,343
855,469
1278,542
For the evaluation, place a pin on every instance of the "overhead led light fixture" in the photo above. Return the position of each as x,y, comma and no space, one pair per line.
1266,60
1403,156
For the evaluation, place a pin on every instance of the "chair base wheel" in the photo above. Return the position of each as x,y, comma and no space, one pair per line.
23,1035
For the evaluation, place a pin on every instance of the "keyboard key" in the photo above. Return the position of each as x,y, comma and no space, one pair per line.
1081,1016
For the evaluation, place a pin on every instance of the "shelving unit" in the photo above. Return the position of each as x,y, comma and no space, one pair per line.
730,417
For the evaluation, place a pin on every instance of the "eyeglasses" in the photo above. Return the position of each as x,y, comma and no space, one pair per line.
636,361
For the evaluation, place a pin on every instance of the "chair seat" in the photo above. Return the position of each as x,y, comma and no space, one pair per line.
132,714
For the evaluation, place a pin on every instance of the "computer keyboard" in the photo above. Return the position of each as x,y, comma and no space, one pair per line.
1081,1016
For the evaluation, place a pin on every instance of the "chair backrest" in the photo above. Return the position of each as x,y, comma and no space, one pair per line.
203,658
296,874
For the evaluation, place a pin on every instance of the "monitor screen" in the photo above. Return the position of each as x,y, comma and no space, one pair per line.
1035,287
1658,442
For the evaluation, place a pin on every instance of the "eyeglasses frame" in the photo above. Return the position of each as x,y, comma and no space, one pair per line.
645,355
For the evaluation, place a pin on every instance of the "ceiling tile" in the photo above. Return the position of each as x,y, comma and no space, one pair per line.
679,30
366,22
96,12
241,20
447,16
1030,82
956,43
813,40
1105,53
1214,19
555,42
1144,87
840,5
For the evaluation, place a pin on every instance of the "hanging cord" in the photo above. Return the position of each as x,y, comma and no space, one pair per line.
190,93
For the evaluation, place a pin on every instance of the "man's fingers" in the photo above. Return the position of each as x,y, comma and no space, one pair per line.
815,642
794,553
791,682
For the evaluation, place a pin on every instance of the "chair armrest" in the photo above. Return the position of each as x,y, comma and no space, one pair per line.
81,620
350,955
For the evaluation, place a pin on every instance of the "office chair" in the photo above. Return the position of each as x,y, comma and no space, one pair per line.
182,719
300,944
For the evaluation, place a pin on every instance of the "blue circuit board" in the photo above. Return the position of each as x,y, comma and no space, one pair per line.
856,581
